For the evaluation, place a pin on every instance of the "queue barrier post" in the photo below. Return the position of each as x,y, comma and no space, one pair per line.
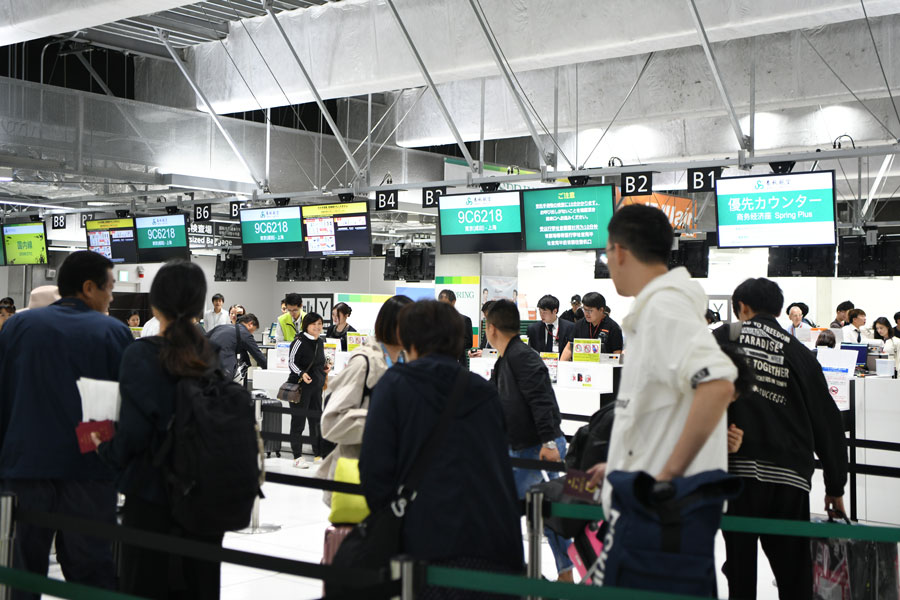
403,569
534,518
7,536
255,526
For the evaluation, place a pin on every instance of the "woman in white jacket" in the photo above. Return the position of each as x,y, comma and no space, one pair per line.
885,332
347,404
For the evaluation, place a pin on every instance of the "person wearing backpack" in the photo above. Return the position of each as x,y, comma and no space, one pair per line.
150,376
462,507
347,403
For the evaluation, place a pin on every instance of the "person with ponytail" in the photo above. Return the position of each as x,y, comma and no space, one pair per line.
149,373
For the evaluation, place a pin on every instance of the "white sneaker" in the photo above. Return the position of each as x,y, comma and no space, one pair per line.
299,463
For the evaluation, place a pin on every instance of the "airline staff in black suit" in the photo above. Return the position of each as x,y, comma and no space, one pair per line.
550,334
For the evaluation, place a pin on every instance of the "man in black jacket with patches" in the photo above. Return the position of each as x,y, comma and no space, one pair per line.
530,409
788,415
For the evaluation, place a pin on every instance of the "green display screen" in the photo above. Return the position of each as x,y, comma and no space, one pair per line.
572,218
794,209
272,225
25,243
474,214
161,232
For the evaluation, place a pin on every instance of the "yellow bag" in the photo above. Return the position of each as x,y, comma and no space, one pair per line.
347,508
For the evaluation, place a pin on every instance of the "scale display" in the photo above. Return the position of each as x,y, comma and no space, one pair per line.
337,229
25,243
113,238
480,223
272,233
570,218
794,209
162,238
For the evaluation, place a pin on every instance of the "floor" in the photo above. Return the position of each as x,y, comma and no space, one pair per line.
303,518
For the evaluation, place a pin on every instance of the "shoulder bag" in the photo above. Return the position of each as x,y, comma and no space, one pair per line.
293,392
378,538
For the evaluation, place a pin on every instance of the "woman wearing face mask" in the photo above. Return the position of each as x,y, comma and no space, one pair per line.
308,368
339,327
347,404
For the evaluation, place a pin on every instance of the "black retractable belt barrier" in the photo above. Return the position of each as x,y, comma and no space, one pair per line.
315,483
199,550
538,465
283,437
574,417
286,410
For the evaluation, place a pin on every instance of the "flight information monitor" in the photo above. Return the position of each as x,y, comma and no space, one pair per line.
25,243
272,233
113,238
162,238
337,229
776,210
489,222
570,218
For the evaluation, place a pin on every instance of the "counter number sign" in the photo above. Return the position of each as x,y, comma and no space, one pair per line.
703,180
86,217
637,184
202,212
431,196
386,200
234,209
58,221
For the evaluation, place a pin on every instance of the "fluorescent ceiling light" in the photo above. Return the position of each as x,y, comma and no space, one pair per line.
6,174
33,205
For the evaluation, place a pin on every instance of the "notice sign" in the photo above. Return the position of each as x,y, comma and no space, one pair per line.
271,225
838,367
769,210
25,243
586,350
551,359
567,218
355,340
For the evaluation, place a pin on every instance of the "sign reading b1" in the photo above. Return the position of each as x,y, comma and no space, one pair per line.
637,184
703,180
386,200
431,196
202,212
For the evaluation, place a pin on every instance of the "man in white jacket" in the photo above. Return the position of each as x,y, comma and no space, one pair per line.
676,382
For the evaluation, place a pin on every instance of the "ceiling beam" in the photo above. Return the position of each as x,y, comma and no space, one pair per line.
184,24
123,44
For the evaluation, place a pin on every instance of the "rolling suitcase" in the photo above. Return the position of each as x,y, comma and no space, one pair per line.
334,535
271,423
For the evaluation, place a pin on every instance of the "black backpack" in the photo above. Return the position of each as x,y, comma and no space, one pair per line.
212,455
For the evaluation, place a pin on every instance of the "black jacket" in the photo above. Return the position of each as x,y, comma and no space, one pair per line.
791,414
537,335
234,340
526,394
148,403
307,356
332,332
572,316
466,504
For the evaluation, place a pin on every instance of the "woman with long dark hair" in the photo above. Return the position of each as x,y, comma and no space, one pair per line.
150,370
308,368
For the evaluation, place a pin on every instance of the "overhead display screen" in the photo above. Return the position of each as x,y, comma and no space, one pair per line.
162,238
480,223
794,209
272,233
113,238
25,243
571,218
337,229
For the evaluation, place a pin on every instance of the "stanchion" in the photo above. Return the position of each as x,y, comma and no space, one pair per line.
7,535
255,526
534,518
403,568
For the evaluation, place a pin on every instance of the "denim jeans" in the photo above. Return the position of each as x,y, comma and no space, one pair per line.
525,478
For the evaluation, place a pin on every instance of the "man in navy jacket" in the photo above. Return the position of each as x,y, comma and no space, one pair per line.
43,352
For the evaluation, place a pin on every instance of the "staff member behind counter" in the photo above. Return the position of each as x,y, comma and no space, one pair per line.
551,333
596,325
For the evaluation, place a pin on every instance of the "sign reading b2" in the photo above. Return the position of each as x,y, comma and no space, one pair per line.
637,184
